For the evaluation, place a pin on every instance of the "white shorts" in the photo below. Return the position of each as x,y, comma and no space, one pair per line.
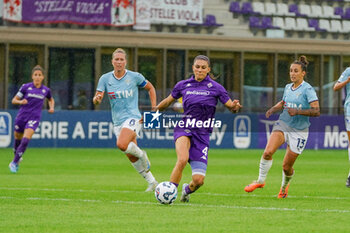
347,123
295,138
131,123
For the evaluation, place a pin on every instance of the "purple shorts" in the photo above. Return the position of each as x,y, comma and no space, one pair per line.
198,150
21,125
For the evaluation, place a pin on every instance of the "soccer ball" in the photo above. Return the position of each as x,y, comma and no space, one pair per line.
166,192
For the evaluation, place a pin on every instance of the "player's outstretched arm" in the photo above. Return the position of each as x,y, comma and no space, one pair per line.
165,103
51,105
152,94
339,85
234,106
98,97
277,107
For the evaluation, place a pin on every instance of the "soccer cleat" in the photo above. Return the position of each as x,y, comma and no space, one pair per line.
13,167
145,161
348,182
283,194
184,196
251,187
152,186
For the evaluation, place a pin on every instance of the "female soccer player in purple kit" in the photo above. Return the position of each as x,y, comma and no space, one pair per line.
30,97
200,95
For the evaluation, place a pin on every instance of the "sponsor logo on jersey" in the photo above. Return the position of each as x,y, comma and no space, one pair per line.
195,92
36,96
120,94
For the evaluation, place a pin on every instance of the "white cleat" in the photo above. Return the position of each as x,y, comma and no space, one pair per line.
13,167
145,161
184,196
151,187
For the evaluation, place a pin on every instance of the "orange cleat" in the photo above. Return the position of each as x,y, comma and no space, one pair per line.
283,194
253,186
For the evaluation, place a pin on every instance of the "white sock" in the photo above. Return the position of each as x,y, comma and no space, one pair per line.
285,180
141,170
134,150
264,168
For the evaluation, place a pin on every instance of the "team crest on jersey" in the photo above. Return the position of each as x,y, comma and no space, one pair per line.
43,91
188,85
210,85
127,82
30,88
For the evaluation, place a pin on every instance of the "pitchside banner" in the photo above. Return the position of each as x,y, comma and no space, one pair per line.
94,129
1,8
143,15
102,12
178,12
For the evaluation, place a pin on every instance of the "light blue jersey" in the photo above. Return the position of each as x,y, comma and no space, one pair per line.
300,98
343,77
123,94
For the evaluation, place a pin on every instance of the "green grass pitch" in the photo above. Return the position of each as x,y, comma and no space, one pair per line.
97,190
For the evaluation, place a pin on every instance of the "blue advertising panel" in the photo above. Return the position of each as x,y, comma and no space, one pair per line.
5,129
94,129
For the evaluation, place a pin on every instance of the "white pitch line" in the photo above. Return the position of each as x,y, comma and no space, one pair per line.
208,194
181,204
264,196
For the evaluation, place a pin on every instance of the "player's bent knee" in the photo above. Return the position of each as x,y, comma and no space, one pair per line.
122,146
268,154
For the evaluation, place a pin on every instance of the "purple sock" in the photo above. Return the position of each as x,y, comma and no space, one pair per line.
16,144
188,190
21,149
177,185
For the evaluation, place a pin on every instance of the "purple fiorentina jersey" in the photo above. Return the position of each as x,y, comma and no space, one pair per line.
199,100
35,97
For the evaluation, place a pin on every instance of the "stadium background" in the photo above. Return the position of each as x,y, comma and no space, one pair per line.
250,48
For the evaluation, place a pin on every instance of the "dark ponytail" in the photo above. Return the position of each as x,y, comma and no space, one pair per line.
302,61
